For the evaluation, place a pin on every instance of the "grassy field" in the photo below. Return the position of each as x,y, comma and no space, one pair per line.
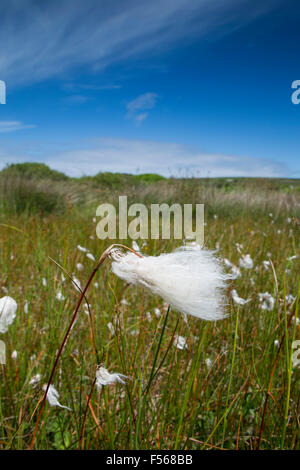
235,385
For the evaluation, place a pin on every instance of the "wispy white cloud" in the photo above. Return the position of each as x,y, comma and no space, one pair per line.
132,156
140,118
145,101
11,126
141,103
40,40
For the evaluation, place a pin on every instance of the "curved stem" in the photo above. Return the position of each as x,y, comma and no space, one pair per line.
101,260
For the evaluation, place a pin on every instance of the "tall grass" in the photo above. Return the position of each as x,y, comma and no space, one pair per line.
247,393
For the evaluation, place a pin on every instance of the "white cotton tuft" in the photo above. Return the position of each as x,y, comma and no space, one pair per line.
238,300
26,305
81,248
246,262
266,301
14,355
235,273
103,377
90,256
157,312
52,397
191,281
227,263
8,308
79,267
180,342
289,299
60,296
209,363
76,283
111,328
35,379
266,264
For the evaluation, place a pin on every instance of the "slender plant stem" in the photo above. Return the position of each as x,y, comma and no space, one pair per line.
157,351
101,260
188,390
270,385
231,373
143,396
85,414
289,354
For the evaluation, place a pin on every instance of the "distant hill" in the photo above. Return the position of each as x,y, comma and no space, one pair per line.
33,171
40,171
36,188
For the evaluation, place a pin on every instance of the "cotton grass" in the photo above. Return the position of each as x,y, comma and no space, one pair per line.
266,301
8,308
52,397
103,377
238,300
191,281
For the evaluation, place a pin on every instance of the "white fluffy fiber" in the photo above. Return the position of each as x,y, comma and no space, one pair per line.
8,308
52,397
191,281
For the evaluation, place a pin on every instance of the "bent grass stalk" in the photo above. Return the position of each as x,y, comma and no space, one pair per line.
100,262
87,304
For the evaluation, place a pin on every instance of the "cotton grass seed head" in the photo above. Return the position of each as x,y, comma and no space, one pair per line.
60,296
266,264
82,249
180,342
103,377
266,301
14,355
52,397
35,379
246,262
79,267
191,281
227,263
238,300
8,308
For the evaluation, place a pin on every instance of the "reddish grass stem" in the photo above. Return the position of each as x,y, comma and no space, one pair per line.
101,260
85,414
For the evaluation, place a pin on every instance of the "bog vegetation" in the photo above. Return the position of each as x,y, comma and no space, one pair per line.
191,384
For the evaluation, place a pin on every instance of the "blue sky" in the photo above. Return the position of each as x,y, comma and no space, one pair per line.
176,87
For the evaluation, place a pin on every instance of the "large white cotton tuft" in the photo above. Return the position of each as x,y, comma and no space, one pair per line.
191,281
8,308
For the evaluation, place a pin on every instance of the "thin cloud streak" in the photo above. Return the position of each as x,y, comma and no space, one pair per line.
11,126
141,103
138,156
42,40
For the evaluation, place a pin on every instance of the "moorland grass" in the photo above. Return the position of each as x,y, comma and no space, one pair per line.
246,397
